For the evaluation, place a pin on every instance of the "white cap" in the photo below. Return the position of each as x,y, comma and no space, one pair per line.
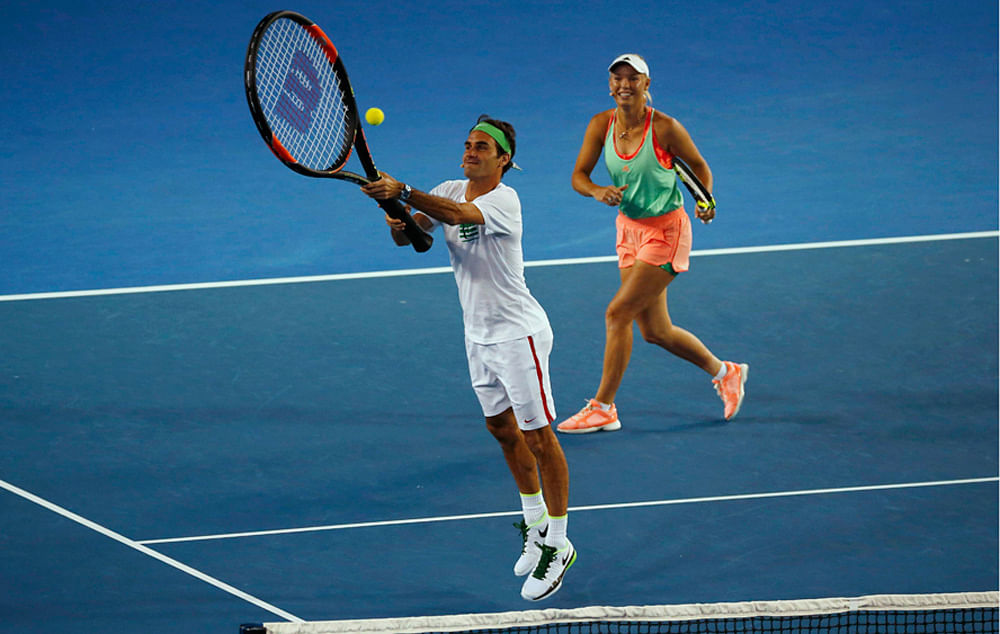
632,60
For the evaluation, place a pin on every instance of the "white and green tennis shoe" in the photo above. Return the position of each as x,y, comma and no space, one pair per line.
548,575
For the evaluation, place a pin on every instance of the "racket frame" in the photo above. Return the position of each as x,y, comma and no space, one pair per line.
419,239
702,197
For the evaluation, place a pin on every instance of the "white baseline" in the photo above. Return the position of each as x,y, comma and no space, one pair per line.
446,269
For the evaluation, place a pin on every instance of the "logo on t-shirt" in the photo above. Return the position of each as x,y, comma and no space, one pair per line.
468,232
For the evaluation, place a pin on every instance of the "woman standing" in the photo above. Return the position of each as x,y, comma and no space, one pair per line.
653,237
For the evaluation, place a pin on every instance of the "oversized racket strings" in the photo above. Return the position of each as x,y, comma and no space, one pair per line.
317,143
302,104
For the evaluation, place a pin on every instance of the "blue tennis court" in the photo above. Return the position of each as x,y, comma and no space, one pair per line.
864,462
225,398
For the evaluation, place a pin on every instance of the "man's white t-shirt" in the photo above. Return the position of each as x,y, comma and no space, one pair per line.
489,267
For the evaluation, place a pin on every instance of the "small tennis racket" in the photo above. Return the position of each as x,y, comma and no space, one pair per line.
303,105
701,195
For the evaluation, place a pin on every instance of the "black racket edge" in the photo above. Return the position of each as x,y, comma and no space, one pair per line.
419,239
250,86
695,186
698,191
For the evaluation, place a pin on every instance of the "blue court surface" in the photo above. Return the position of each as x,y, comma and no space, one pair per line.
183,419
225,398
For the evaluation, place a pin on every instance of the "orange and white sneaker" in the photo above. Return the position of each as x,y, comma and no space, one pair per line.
730,387
591,418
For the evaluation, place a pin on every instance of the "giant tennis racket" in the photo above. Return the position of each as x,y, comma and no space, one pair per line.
303,105
702,197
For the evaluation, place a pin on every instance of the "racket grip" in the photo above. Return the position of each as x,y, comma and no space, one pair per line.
419,239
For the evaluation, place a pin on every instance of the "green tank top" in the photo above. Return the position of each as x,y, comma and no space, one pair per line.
652,183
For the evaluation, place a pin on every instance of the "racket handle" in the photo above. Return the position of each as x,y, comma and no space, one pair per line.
419,239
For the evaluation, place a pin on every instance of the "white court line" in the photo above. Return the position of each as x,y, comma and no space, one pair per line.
446,269
791,247
107,532
596,507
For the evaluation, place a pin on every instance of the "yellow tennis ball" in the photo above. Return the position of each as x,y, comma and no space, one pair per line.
374,116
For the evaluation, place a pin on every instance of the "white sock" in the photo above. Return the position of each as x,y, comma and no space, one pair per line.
722,372
534,508
604,407
557,532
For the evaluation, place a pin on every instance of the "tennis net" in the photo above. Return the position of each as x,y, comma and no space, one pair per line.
876,614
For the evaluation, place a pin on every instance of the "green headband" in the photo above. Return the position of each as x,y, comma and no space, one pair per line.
496,133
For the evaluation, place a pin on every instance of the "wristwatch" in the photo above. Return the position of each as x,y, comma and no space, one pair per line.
405,194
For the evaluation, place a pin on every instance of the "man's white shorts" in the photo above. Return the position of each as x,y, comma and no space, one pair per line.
514,374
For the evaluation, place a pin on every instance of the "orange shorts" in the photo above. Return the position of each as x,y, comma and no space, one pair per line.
663,241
